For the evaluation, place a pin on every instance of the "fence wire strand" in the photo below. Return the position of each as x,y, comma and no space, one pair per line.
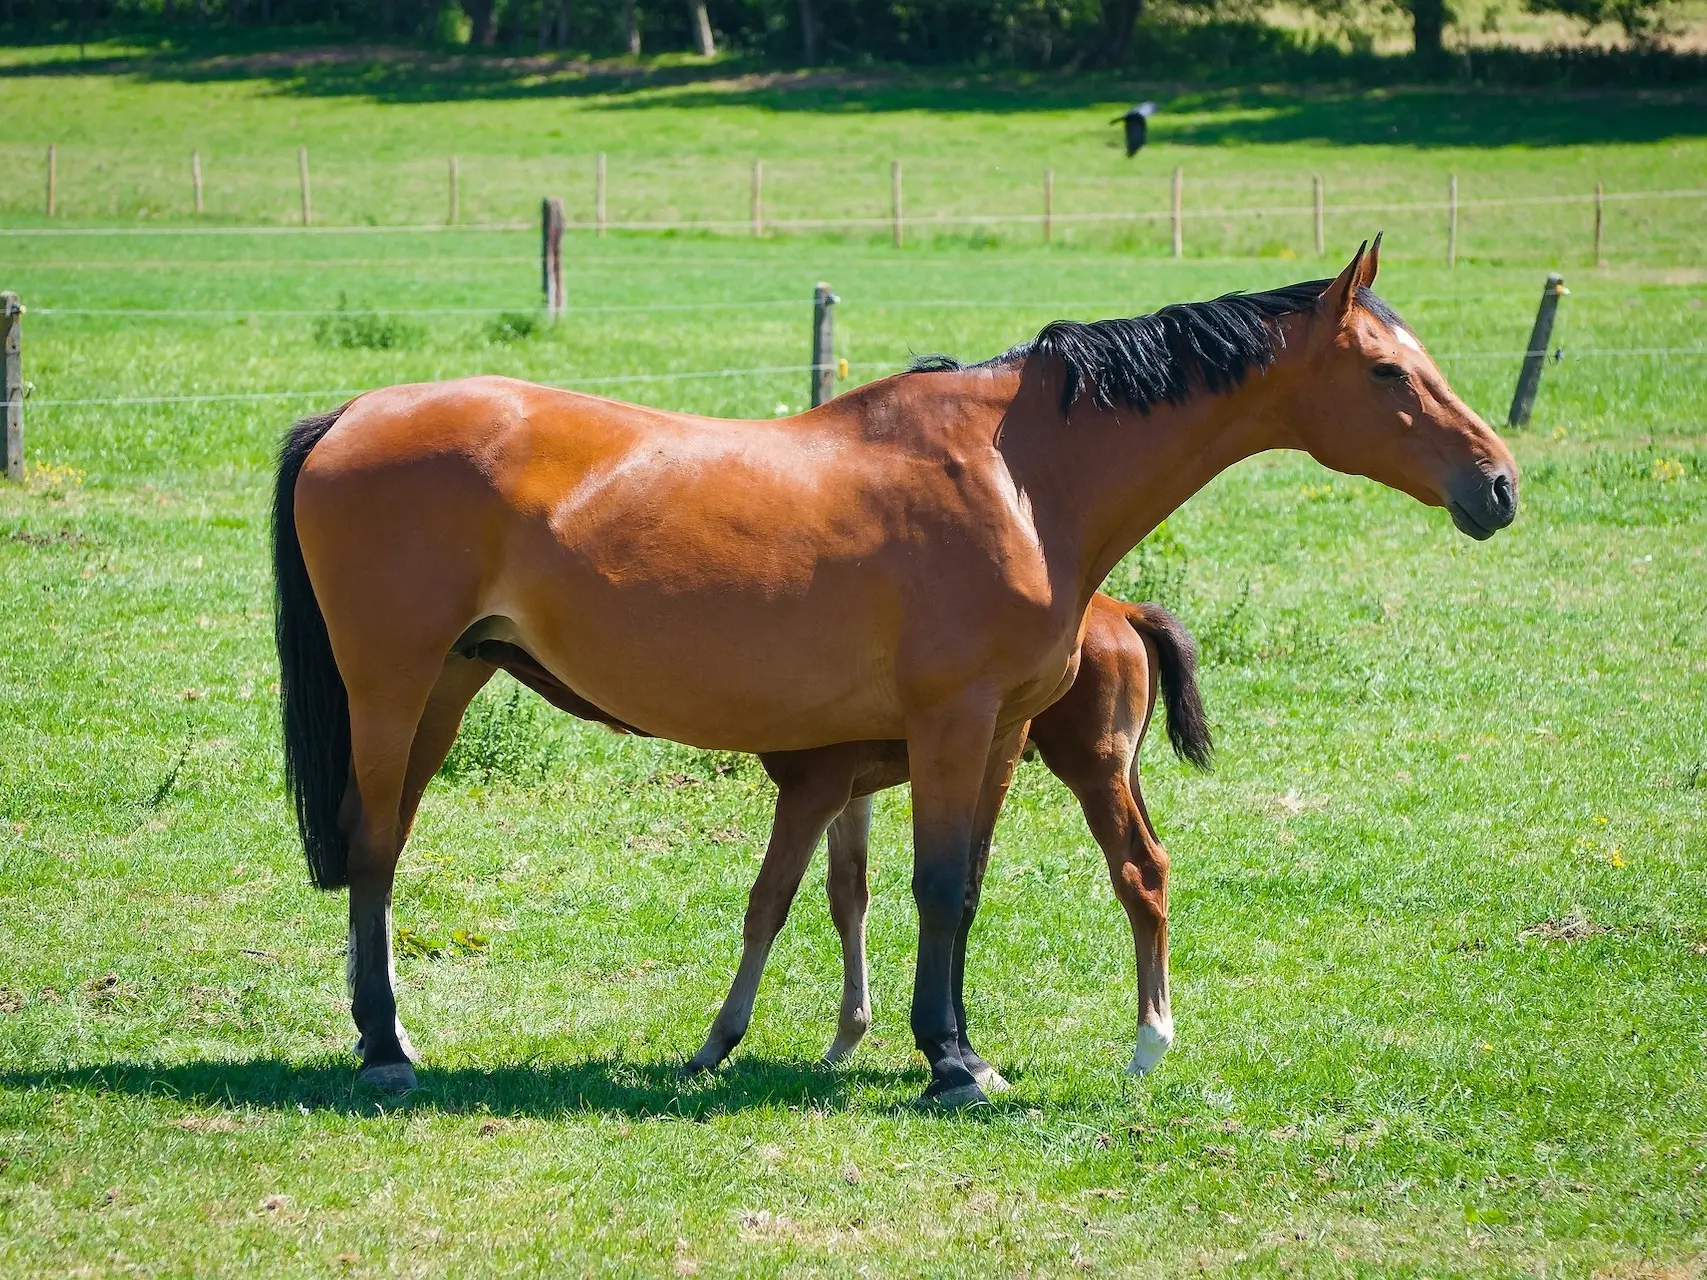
759,371
917,221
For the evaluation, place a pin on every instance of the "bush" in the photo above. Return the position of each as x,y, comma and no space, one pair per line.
503,737
511,327
364,329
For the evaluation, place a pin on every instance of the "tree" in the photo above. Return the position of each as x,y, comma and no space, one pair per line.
809,31
1428,27
1118,19
700,20
1640,19
482,31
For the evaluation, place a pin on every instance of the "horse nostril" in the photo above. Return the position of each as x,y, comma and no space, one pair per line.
1504,501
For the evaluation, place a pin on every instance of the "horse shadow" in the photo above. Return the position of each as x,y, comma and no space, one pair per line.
595,1086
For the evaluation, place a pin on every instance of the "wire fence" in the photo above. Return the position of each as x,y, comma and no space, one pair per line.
912,221
1053,305
619,379
1587,353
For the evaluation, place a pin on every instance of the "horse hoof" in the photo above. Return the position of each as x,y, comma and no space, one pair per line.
1153,1044
389,1077
958,1098
990,1080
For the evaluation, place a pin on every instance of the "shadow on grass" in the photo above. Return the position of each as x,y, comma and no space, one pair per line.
596,1086
1512,99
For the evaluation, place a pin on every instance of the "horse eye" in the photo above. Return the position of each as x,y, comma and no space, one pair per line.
1388,372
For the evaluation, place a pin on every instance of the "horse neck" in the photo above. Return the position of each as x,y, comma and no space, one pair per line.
1102,480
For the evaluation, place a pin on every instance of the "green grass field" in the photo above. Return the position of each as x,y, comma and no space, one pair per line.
1440,961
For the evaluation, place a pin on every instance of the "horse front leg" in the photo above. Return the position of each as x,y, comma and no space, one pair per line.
1004,754
949,755
812,787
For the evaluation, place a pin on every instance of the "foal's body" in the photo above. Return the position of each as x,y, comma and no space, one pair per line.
1089,738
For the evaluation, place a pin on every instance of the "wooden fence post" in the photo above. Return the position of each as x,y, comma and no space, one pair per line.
823,344
11,324
551,255
1048,205
758,198
302,177
1452,221
1599,223
455,193
1321,243
599,197
1179,229
196,178
1535,355
52,175
897,232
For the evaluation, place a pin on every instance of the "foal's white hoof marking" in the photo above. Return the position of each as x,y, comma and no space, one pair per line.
990,1080
389,1077
1153,1044
842,1048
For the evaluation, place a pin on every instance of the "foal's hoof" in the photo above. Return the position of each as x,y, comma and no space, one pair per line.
990,1080
1153,1044
956,1098
389,1077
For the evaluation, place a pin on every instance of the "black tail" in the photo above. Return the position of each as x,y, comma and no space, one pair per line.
1188,727
315,705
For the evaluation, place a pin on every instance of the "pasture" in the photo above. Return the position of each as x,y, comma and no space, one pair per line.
1439,962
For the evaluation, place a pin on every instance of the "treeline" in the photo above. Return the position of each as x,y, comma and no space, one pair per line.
1045,34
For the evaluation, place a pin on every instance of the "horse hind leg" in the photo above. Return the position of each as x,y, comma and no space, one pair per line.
399,731
1138,870
457,685
850,898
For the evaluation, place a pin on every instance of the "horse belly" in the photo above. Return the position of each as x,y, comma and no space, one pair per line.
794,661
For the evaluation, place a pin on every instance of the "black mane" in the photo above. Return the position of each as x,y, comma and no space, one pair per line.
1163,357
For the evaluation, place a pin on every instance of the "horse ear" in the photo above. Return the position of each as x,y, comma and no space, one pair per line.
1336,300
1372,263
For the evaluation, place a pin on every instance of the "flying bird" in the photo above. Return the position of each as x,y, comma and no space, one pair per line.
1137,126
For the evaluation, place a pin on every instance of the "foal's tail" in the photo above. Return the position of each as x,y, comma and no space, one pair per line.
1176,652
312,697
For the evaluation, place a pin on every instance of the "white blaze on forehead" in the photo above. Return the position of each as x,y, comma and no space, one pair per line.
1406,340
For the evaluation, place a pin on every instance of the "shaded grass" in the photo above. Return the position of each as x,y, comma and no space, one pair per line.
681,142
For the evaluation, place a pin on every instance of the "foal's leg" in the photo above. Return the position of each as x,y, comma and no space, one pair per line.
951,757
850,896
806,801
990,807
1138,868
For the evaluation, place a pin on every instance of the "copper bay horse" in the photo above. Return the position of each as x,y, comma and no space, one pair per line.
1089,738
911,562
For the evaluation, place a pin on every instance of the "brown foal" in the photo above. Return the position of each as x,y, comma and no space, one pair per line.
1090,740
911,562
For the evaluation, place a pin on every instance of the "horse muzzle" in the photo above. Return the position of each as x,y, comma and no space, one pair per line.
1484,502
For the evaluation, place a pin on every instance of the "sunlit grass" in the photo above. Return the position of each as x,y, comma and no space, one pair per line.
1436,917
